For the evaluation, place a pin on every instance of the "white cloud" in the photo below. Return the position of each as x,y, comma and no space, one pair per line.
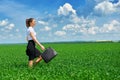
117,4
7,26
66,9
107,7
81,29
72,27
75,19
93,30
100,0
60,33
89,26
84,26
46,28
114,25
42,22
10,26
17,30
81,25
4,22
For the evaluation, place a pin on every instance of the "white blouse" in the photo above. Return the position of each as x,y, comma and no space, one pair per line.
30,29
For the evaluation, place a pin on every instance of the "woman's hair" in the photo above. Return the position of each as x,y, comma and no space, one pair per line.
28,21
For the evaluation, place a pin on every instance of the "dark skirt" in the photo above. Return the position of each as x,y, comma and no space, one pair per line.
31,51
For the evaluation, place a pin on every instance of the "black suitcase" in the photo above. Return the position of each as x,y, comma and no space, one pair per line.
48,54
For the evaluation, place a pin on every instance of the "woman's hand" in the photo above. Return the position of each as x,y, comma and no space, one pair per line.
42,47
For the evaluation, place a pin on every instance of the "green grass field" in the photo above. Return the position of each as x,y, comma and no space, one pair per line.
75,61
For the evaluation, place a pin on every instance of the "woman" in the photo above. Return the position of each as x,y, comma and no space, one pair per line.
31,51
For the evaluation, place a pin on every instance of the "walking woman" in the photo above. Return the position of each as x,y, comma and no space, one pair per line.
31,51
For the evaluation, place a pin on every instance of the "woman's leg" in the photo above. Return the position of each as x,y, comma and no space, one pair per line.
30,64
38,60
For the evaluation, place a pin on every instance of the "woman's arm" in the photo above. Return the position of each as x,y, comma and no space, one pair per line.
36,41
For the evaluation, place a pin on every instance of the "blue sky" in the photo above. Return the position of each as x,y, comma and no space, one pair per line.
60,20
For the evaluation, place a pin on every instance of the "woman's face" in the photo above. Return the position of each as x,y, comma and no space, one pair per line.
33,23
